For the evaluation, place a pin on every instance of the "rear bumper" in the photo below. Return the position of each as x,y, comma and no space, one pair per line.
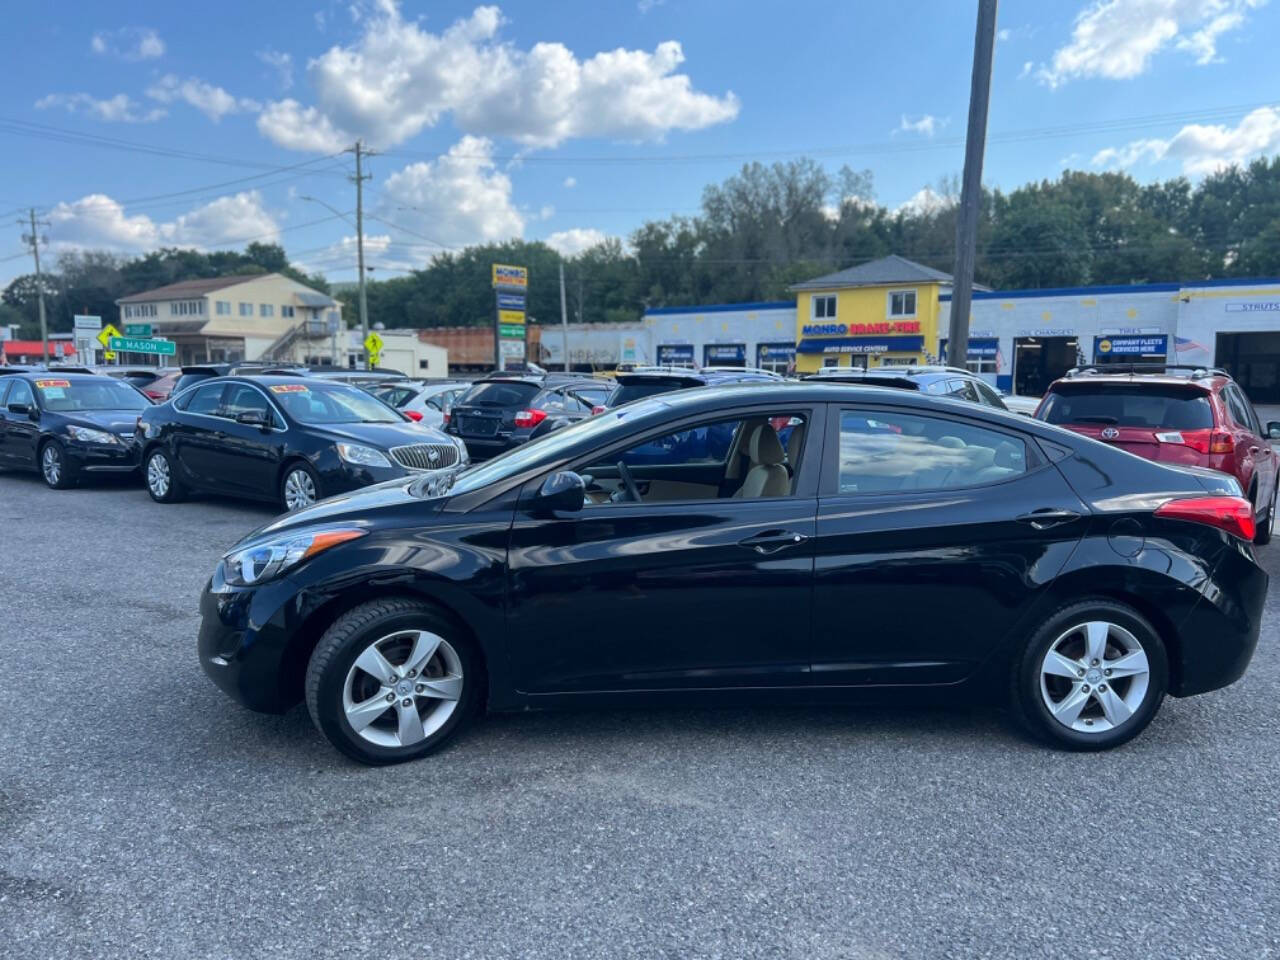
1220,634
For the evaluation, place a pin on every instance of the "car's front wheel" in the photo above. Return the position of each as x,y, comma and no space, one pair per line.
54,468
393,680
1092,677
299,487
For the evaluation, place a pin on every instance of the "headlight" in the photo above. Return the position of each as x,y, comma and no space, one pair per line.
362,455
89,435
268,559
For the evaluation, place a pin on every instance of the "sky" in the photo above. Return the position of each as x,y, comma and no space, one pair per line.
136,125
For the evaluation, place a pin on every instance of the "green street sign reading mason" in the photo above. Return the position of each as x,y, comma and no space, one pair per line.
163,348
137,330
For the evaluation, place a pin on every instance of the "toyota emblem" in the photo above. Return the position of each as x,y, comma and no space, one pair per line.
1110,433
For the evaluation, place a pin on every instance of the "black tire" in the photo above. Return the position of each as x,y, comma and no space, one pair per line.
1026,694
344,642
173,491
1262,536
283,487
51,459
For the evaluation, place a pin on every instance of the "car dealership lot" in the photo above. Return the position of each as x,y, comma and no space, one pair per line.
144,814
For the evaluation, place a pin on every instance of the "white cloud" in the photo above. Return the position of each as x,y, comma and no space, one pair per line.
570,243
570,182
1203,148
128,43
97,220
282,63
460,198
926,126
398,79
1004,35
214,102
926,200
644,6
118,109
1027,67
1117,39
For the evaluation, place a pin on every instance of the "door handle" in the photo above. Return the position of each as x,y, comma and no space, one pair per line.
1048,517
771,541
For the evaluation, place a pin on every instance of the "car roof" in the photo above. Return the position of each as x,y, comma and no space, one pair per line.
1203,378
75,376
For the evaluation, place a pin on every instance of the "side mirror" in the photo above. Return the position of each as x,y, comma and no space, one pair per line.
1273,429
563,492
254,418
20,408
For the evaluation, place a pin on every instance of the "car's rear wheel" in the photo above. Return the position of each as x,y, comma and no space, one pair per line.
57,473
299,487
162,479
1092,677
1262,536
393,680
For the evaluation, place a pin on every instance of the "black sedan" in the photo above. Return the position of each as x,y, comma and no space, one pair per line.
503,411
283,438
897,542
66,425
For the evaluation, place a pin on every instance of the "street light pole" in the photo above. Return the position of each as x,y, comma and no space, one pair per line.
564,319
364,305
971,191
33,238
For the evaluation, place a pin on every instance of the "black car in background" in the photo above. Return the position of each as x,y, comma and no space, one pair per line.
503,411
939,381
640,382
289,439
66,425
1079,581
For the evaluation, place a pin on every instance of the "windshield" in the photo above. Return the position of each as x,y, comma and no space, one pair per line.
319,403
68,396
1124,405
545,450
500,393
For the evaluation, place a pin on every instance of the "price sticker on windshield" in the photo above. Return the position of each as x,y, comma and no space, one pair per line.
289,388
52,384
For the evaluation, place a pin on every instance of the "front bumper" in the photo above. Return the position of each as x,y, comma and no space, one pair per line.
102,457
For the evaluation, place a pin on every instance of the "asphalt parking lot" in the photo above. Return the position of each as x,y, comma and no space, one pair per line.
143,814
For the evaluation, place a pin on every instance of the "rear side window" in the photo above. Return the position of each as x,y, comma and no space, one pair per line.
1240,409
501,393
1125,405
899,452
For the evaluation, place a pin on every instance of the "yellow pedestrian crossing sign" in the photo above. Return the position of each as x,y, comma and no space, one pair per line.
373,347
107,333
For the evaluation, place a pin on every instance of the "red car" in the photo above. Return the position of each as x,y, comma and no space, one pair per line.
1192,416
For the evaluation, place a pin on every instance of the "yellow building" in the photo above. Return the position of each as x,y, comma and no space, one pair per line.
882,313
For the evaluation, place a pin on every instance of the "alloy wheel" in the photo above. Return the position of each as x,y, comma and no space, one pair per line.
158,476
51,465
402,688
299,489
1094,677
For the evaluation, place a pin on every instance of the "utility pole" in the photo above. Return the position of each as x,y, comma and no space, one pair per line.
360,178
564,318
33,238
984,43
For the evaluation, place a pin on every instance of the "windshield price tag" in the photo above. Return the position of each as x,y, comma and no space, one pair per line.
289,388
52,384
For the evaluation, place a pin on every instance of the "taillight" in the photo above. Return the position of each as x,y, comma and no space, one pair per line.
1197,440
598,408
1221,442
413,415
444,419
530,418
1232,514
154,395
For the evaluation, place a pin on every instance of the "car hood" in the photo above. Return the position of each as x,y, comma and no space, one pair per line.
358,508
116,421
384,436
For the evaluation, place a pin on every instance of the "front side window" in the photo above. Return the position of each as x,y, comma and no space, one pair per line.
242,398
742,458
204,400
901,453
824,308
20,392
902,303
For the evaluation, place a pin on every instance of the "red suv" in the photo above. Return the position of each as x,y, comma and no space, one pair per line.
1194,416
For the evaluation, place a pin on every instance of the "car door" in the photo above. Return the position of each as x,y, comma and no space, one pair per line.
194,435
21,430
935,533
703,590
1249,445
247,458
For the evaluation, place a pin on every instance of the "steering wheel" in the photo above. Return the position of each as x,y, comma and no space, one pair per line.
632,490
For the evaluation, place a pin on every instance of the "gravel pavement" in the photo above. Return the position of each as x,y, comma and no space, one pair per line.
143,814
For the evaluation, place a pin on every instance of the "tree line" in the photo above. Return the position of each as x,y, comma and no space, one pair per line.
767,227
